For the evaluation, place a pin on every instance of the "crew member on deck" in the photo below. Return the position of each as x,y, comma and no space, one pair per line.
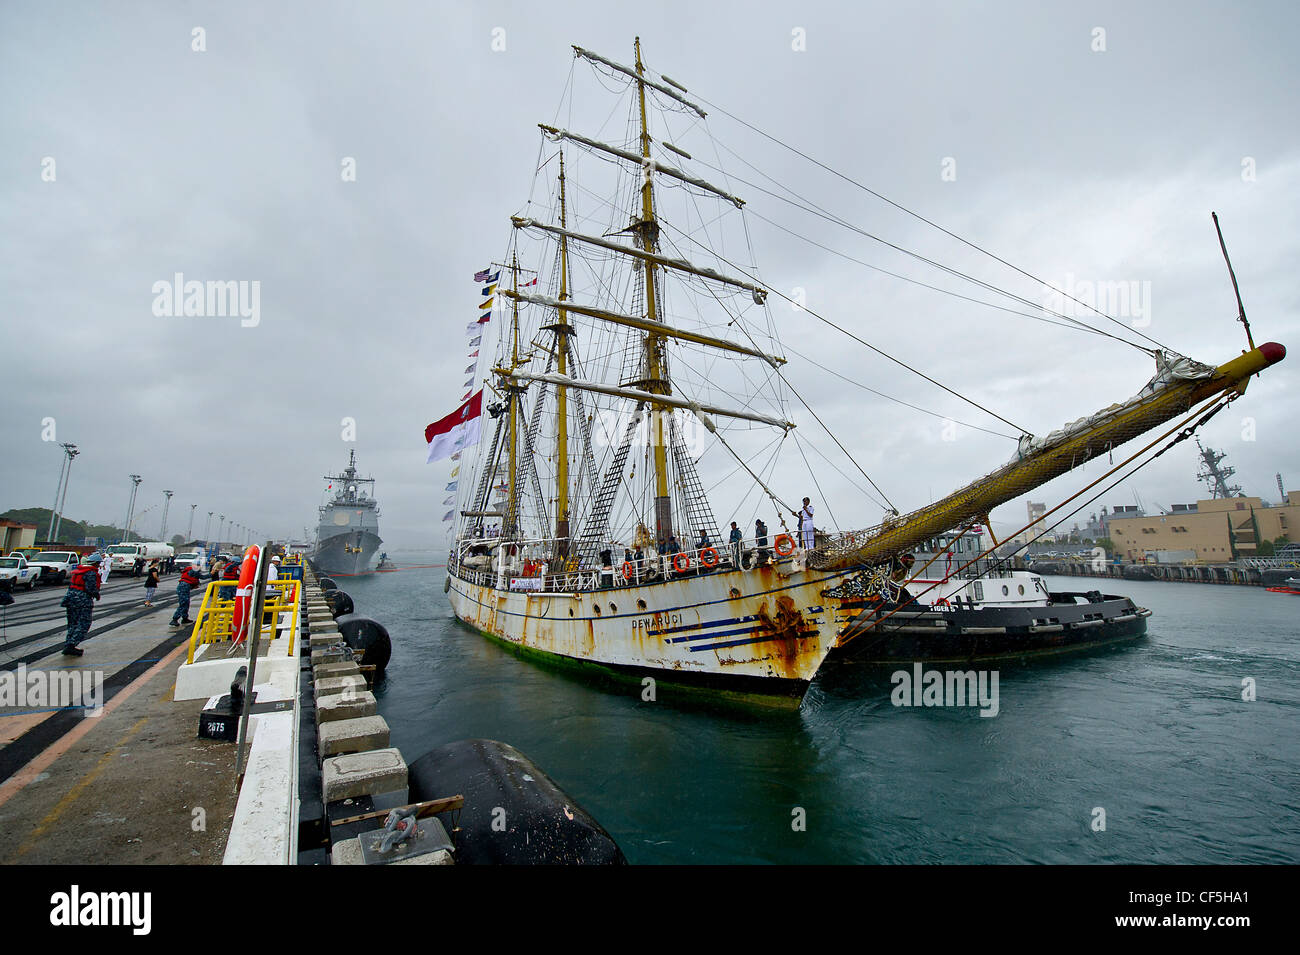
760,539
805,516
736,537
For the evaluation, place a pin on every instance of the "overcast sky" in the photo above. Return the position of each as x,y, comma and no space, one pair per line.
127,156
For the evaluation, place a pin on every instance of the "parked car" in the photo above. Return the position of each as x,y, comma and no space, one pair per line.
55,566
186,559
15,572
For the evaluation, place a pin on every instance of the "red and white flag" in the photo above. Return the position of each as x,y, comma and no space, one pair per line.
457,430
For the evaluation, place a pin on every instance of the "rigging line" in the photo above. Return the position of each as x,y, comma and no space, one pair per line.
957,273
863,341
1070,323
812,207
1180,437
739,321
816,483
922,218
881,394
852,483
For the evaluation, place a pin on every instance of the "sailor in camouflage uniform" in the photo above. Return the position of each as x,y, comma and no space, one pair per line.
83,591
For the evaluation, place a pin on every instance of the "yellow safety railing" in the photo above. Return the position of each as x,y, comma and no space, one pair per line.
215,621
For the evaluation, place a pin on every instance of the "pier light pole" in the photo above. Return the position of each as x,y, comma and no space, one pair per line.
72,452
167,504
189,531
61,492
221,528
130,508
207,527
58,489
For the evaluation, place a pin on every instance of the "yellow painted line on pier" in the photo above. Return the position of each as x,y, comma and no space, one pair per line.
25,776
71,796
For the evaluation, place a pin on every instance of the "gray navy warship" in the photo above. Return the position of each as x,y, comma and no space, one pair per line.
347,538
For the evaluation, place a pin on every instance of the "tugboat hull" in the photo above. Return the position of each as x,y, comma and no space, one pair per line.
1072,621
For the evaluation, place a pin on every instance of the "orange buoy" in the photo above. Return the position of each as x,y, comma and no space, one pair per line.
783,545
681,563
709,558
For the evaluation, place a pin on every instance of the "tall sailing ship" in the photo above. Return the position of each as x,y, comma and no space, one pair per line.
583,528
347,537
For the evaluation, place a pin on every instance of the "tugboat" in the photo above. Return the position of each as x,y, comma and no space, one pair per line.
608,385
347,538
981,611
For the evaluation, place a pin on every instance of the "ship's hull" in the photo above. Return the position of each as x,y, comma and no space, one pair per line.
350,553
758,631
958,635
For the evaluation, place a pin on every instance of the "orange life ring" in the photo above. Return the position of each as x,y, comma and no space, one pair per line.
783,545
628,570
681,563
709,557
942,602
247,573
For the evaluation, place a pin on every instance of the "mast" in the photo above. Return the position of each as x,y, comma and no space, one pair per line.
656,382
561,392
512,497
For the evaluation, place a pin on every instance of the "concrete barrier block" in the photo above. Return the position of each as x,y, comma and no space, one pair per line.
363,774
319,641
357,735
342,706
326,670
339,684
329,655
348,852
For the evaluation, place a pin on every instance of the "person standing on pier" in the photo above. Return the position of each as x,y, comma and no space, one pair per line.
151,584
105,567
189,578
83,591
805,516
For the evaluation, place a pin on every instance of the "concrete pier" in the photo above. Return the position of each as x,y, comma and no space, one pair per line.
126,784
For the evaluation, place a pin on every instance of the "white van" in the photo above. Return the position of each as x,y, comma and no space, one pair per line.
125,556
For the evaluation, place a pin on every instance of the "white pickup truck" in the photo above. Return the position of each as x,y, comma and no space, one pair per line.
15,572
55,566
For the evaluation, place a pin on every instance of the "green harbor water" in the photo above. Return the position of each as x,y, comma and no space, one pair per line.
1155,733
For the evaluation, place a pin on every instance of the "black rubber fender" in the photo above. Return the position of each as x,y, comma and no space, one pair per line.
339,602
366,635
446,585
327,583
537,822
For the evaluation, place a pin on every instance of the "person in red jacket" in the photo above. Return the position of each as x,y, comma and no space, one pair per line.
189,579
83,591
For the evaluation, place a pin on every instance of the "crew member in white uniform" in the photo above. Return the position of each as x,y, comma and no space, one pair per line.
805,516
